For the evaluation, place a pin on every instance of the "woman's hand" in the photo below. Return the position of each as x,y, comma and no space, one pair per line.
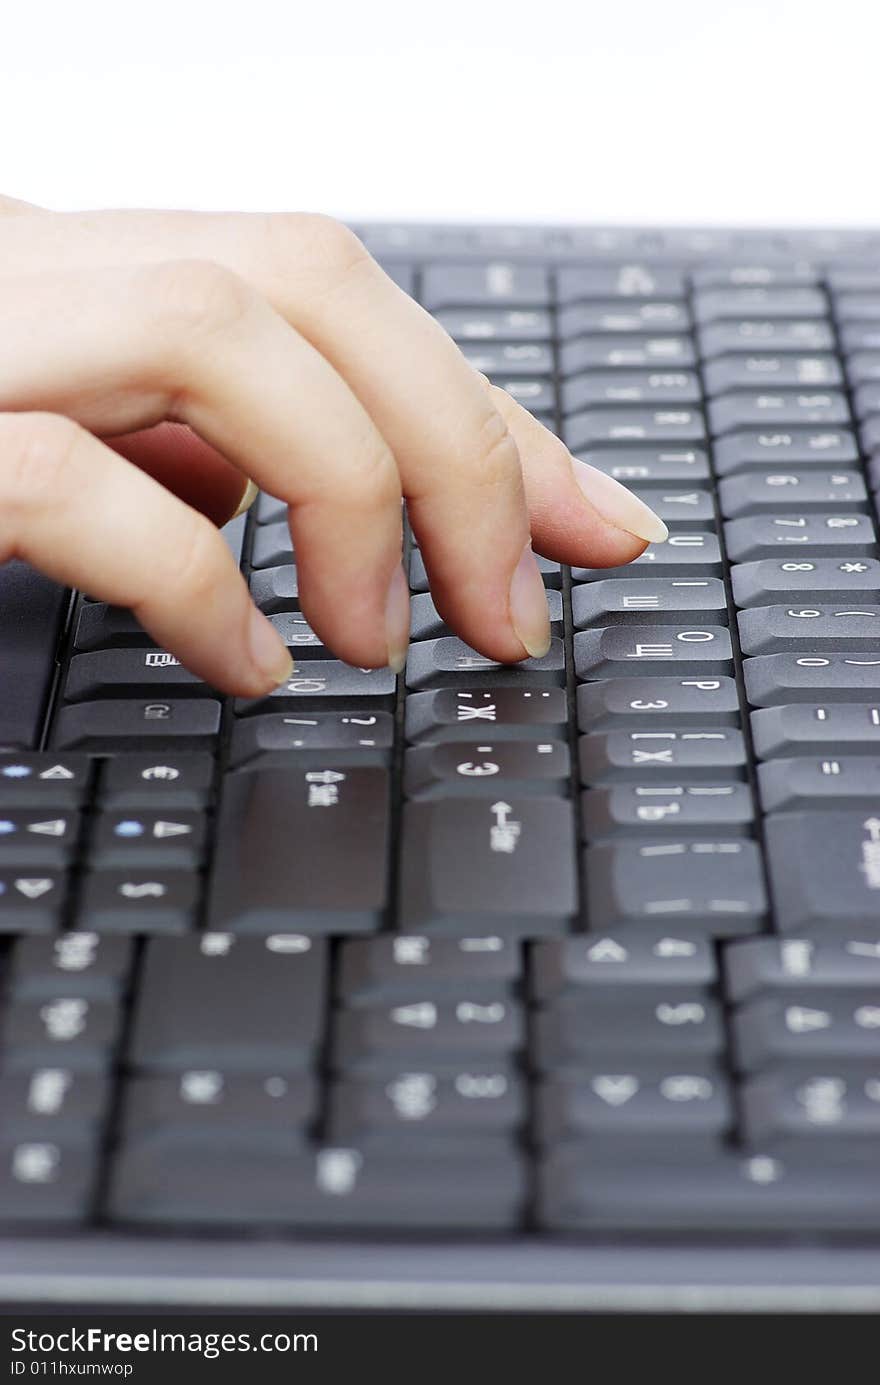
290,358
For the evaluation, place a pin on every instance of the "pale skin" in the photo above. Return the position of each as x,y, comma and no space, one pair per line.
152,364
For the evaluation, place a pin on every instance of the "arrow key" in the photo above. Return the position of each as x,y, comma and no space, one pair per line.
43,780
32,902
148,839
634,1106
34,839
139,901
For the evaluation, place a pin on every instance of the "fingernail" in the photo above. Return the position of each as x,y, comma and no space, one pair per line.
528,605
268,650
248,496
617,505
397,620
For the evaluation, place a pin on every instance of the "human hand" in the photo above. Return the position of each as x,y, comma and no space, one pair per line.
152,362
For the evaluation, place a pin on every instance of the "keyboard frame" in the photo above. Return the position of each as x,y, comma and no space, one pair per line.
503,1273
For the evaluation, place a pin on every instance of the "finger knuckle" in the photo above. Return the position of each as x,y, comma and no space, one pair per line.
198,296
199,572
325,242
37,452
496,453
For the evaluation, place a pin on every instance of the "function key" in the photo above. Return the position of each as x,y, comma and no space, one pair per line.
29,837
496,284
32,780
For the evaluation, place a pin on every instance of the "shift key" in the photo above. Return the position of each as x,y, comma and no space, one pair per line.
302,849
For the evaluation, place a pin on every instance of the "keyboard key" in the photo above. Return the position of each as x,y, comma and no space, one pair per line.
684,1029
644,281
752,275
70,1030
472,714
510,359
418,574
626,388
626,351
647,599
765,334
633,1108
275,589
32,903
650,466
240,1005
381,970
781,1111
520,325
475,865
211,1104
840,781
32,611
445,1034
713,887
465,770
667,756
301,849
810,1027
298,635
804,581
593,426
53,1103
143,781
752,493
824,872
275,739
780,678
43,1182
324,681
812,729
664,649
776,409
619,318
788,448
484,285
755,966
635,703
98,967
815,535
767,301
469,1104
43,780
778,629
764,369
618,963
427,623
129,672
680,509
148,839
273,546
30,838
679,556
446,661
184,724
139,901
625,809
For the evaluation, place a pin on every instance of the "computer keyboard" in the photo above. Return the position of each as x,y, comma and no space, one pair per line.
485,974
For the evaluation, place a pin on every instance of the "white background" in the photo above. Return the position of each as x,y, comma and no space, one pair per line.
671,111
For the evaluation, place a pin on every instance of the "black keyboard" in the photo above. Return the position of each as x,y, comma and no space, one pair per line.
547,985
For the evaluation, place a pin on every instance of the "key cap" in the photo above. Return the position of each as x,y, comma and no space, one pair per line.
776,409
44,1182
777,629
276,739
803,581
53,1103
326,681
446,661
650,466
510,359
816,535
765,334
151,900
587,283
505,866
831,1111
465,770
626,388
298,635
756,966
418,575
100,626
620,1108
160,1181
383,970
746,275
32,609
243,1005
275,589
824,871
129,673
627,351
666,756
303,849
427,624
685,808
425,1104
31,838
759,448
752,493
869,432
32,903
668,1192
444,1034
273,546
593,426
811,729
486,324
680,509
866,399
97,967
679,556
43,780
535,395
268,509
663,649
713,887
683,1029
206,1103
145,840
863,366
768,302
622,319
849,278
857,307
840,781
647,599
859,336
618,964
810,1027
69,1030
142,781
183,724
471,714
780,678
484,285
763,368
636,703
